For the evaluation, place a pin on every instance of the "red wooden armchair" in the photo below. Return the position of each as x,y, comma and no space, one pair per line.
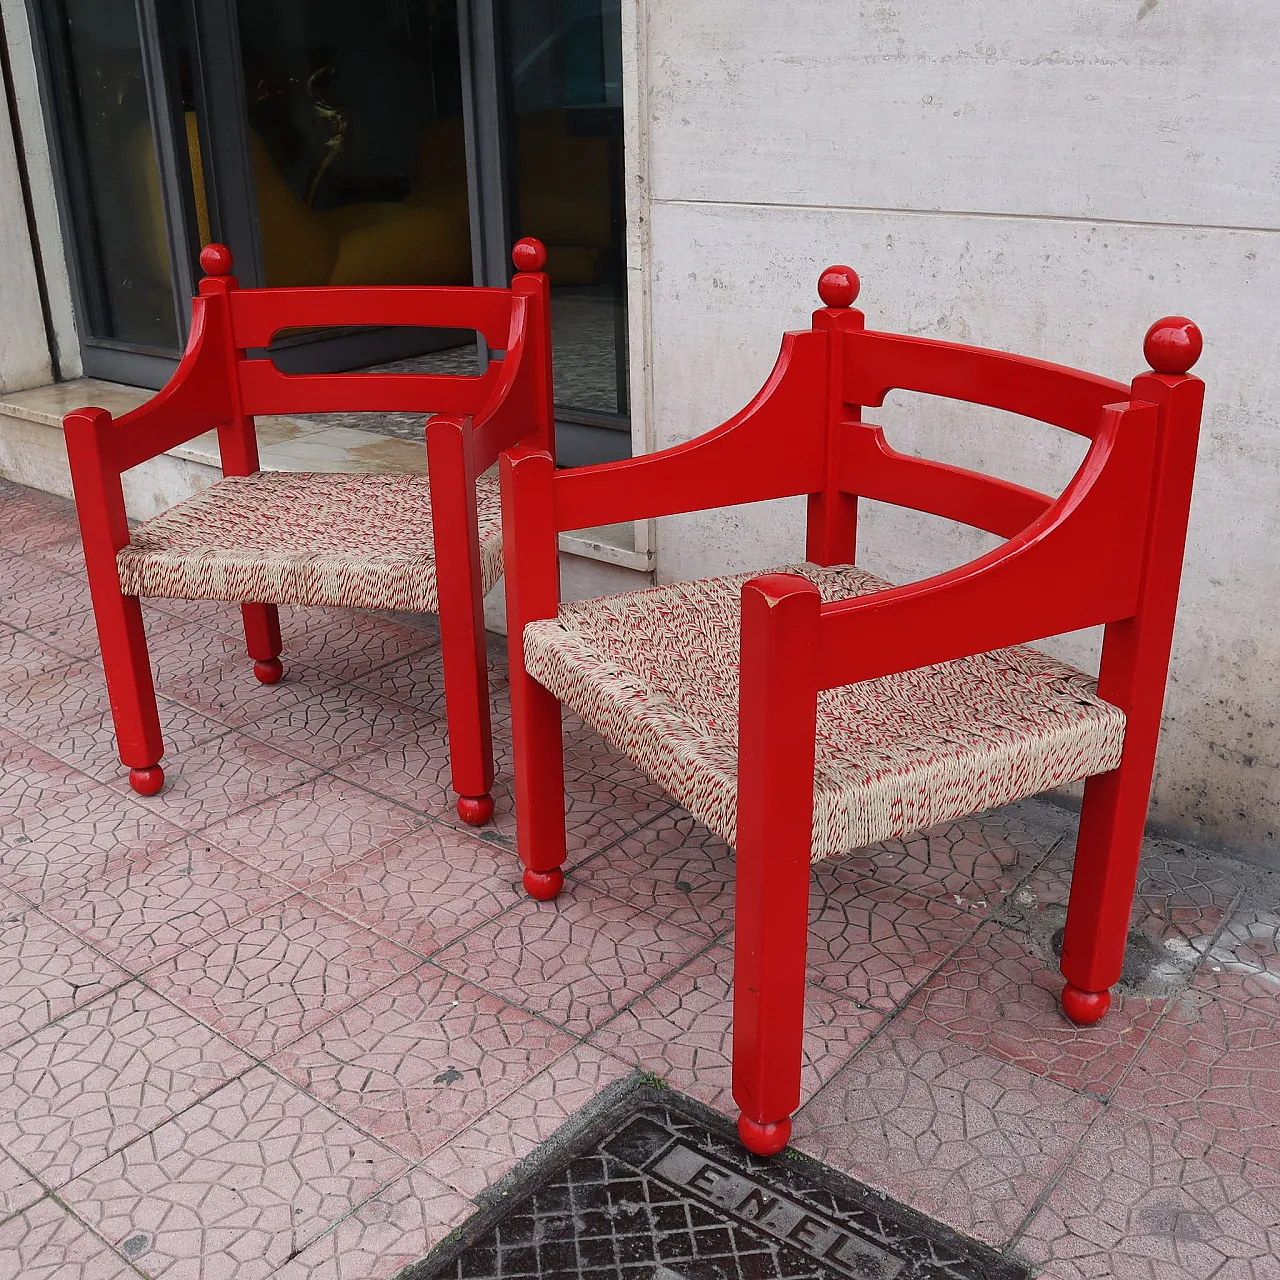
271,538
868,711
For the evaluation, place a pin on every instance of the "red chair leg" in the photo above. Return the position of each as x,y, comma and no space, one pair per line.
130,687
539,781
466,697
262,640
1102,888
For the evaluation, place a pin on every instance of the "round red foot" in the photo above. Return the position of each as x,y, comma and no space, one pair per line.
475,810
543,885
146,782
1085,1007
764,1139
268,670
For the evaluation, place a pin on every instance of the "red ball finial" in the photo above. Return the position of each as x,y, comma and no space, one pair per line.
1173,345
838,286
215,259
529,254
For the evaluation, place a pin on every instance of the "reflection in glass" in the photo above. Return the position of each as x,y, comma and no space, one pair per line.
123,252
564,68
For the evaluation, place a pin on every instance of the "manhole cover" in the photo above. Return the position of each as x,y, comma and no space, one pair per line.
649,1185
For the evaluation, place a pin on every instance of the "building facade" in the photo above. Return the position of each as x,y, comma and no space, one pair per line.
1046,179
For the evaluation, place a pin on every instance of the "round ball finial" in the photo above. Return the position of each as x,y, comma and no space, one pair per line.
529,254
838,286
1173,345
215,260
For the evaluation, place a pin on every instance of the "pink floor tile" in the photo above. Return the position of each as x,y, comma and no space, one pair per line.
268,980
416,1062
1244,963
23,657
999,996
30,779
31,591
490,1147
307,834
75,1092
873,942
417,681
18,1188
75,634
236,1185
223,777
412,770
1212,1068
69,843
56,697
349,644
960,1136
35,529
425,890
227,690
1140,1201
48,1243
575,961
682,1031
673,868
45,972
399,1226
145,910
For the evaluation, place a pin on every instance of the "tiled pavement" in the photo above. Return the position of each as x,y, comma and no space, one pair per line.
288,1017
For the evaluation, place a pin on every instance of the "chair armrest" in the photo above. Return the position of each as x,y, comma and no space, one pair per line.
758,454
1077,565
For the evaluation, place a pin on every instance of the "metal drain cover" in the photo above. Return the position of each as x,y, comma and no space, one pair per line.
649,1185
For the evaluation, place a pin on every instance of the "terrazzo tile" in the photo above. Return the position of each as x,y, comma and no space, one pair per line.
575,961
74,841
144,910
270,979
875,943
45,972
414,1063
48,1243
998,996
1212,1069
400,1225
235,1186
683,1030
75,1092
491,1146
955,1134
30,590
222,777
306,834
672,868
1141,1201
425,890
18,1189
335,723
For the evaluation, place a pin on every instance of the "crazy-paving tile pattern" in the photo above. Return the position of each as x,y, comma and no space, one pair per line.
45,972
303,892
1143,1201
83,1088
964,1138
683,1030
420,1057
233,1186
658,1187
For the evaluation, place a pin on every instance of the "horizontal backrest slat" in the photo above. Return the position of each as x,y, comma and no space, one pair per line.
258,314
877,363
266,390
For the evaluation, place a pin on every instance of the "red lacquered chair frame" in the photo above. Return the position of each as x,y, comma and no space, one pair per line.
1108,551
218,387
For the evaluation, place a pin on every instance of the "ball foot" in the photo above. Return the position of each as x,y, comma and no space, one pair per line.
543,885
1085,1007
475,810
764,1139
146,782
268,670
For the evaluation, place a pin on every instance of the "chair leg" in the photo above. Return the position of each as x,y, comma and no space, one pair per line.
1102,888
466,698
262,640
129,685
539,781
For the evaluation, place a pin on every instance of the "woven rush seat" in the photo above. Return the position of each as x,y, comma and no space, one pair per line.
656,673
354,541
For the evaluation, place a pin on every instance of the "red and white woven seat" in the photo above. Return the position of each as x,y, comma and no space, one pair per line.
353,541
656,673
